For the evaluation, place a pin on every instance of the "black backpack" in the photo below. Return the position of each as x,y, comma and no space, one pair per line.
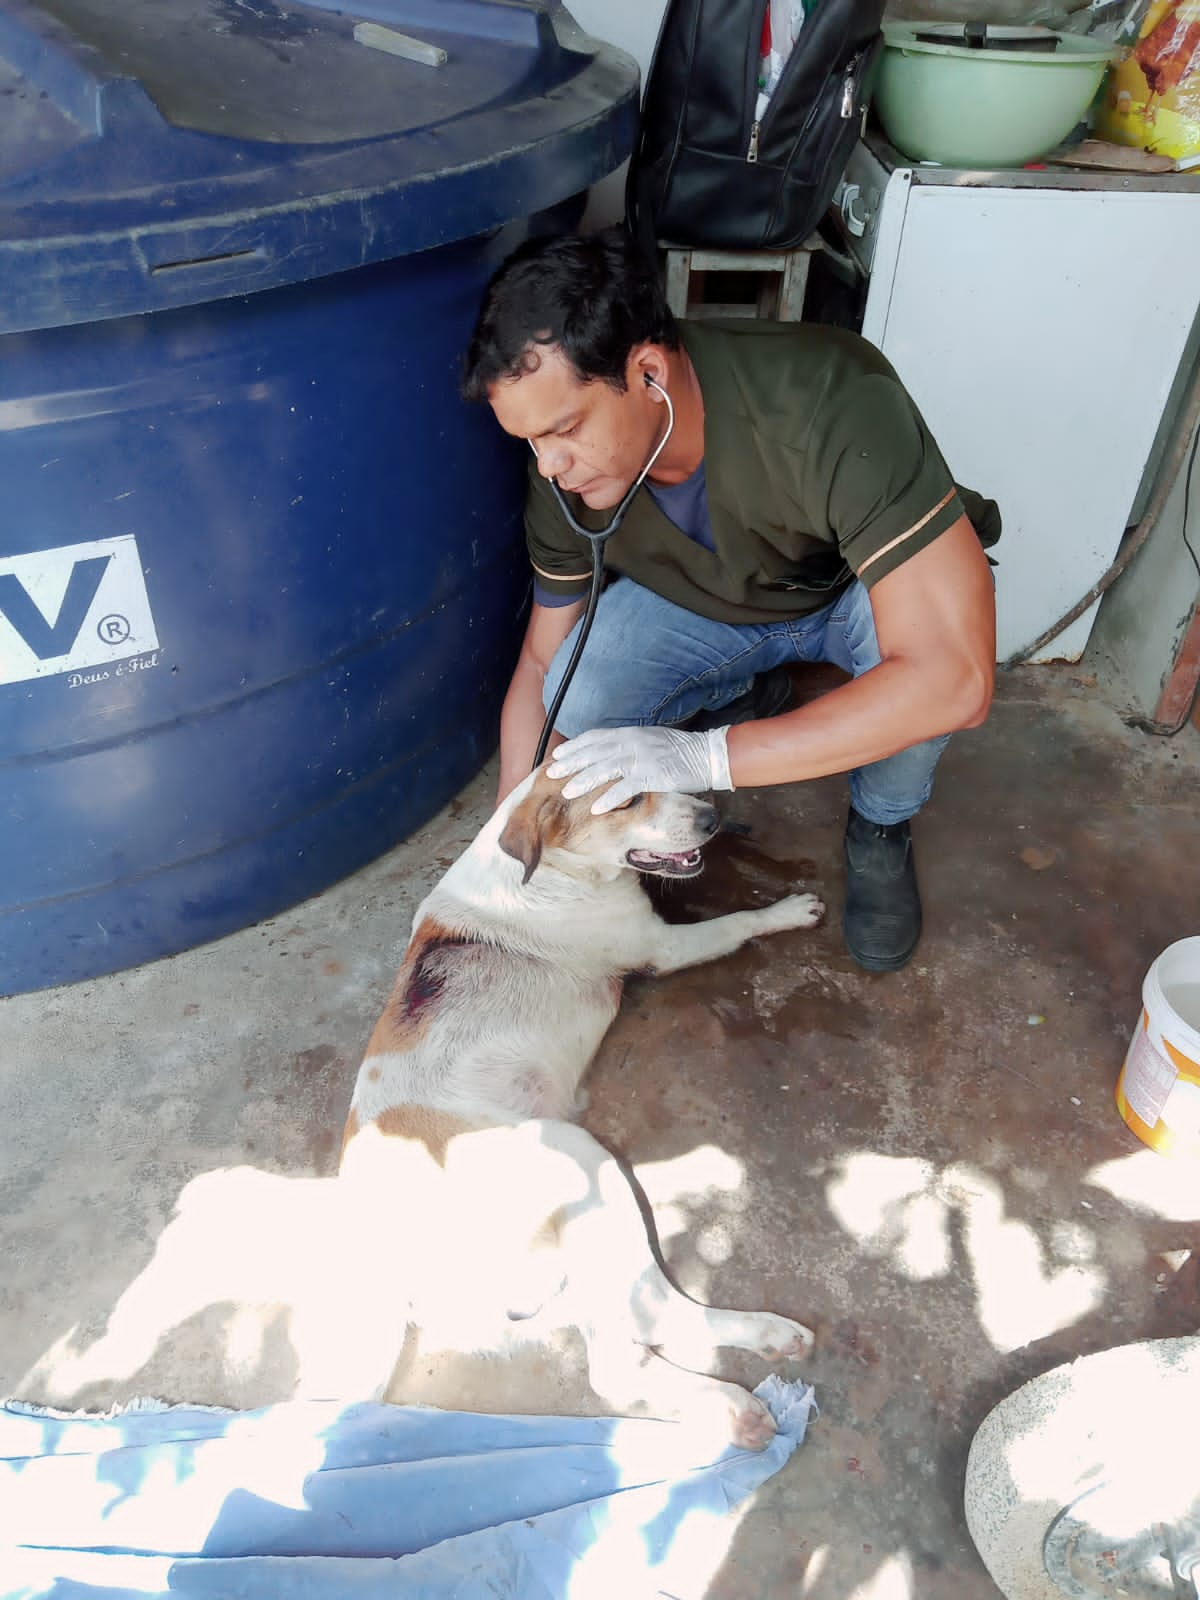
704,173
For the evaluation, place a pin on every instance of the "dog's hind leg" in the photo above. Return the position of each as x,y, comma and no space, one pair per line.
631,1378
627,1308
660,1350
687,944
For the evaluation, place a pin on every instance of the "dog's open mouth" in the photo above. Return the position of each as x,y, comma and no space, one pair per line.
666,864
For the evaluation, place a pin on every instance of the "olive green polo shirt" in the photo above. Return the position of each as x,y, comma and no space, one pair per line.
818,467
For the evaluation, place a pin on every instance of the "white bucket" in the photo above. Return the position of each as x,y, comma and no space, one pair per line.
1158,1092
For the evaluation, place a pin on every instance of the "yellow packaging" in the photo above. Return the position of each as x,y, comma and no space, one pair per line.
1151,100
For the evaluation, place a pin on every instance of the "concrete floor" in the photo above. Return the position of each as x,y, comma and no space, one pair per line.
927,1166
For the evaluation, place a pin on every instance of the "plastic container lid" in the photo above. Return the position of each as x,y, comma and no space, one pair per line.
1035,46
158,153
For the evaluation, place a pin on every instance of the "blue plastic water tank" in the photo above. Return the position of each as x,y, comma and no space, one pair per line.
261,576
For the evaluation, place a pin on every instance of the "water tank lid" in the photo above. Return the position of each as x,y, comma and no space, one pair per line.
165,152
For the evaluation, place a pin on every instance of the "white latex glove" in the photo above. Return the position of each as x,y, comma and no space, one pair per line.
644,761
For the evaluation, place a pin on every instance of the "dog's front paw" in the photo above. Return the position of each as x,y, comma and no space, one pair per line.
780,1339
796,911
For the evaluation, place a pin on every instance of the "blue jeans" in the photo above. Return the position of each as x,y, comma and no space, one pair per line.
650,661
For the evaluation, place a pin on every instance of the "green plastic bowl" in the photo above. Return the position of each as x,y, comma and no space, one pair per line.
993,107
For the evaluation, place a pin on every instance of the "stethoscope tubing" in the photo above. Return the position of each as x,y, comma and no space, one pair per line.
597,538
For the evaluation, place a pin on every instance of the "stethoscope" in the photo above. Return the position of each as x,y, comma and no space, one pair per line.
597,539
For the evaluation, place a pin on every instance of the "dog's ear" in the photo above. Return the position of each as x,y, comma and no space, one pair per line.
526,831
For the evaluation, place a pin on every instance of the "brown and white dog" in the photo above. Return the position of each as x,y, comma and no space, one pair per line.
460,1130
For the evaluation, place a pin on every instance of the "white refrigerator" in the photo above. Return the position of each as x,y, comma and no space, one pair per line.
1039,320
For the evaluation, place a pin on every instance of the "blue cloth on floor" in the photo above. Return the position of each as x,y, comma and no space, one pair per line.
318,1500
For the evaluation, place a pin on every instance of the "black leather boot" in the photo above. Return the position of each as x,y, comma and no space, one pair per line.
882,922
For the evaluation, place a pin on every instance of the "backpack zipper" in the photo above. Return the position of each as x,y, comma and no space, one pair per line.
849,85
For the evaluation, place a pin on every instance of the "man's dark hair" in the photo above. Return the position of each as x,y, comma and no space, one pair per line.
594,296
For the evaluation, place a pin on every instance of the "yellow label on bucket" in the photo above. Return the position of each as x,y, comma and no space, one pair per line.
1184,1065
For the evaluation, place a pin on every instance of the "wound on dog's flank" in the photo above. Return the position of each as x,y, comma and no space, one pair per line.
428,976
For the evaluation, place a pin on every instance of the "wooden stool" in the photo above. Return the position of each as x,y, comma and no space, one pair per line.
780,295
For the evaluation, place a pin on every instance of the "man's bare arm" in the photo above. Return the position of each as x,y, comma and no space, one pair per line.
935,618
523,714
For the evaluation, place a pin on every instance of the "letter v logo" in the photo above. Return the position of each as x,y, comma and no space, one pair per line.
65,610
44,639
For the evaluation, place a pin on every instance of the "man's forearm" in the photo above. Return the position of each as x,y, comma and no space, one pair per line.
888,709
935,618
523,715
521,722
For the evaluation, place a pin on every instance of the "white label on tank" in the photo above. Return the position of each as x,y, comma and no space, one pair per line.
73,609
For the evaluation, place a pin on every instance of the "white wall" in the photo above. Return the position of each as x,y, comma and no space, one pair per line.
632,25
1145,616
